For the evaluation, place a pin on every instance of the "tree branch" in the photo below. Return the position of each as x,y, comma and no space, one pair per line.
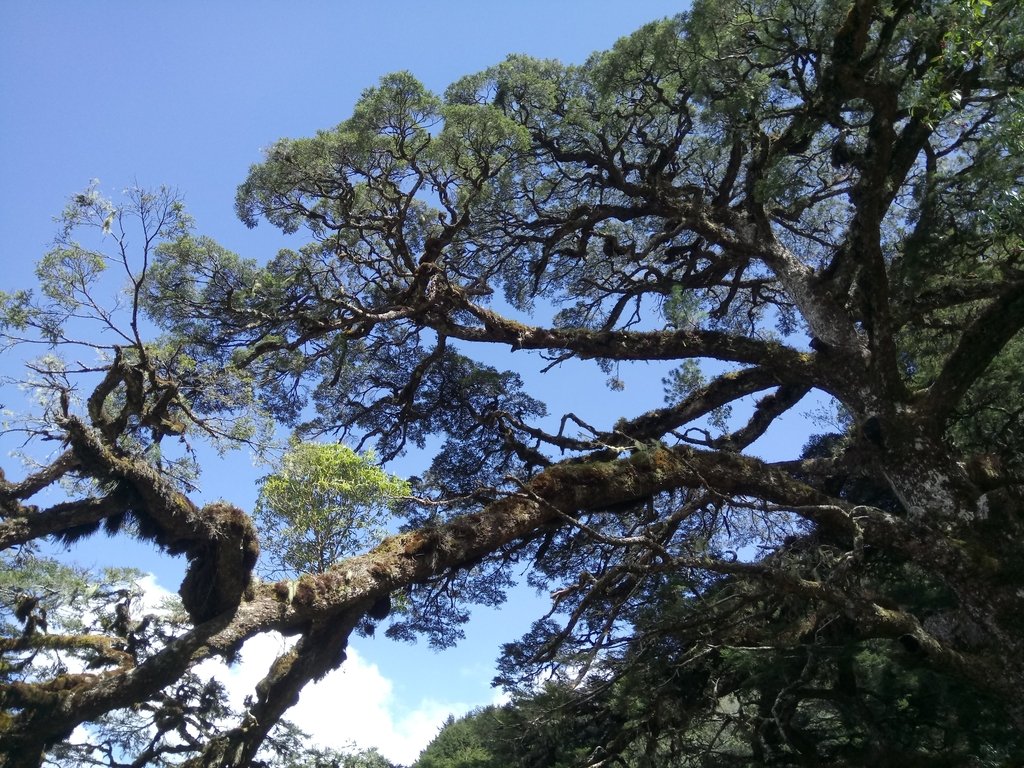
979,344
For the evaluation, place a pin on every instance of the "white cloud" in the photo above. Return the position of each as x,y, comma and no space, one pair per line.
154,596
356,703
353,706
500,697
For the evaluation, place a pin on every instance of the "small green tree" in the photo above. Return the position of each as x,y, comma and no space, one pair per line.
469,742
326,502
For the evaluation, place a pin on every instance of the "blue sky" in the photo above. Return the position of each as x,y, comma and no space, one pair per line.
187,94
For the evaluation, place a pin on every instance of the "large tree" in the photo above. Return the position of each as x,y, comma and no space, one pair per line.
779,197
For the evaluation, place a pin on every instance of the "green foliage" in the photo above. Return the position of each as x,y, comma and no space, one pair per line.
541,731
678,697
98,283
70,274
290,748
15,310
682,310
324,502
49,586
367,758
683,381
464,743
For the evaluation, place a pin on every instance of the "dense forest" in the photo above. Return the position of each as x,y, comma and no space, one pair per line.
780,199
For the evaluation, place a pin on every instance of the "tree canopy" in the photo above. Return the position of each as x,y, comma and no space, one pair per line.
775,197
325,503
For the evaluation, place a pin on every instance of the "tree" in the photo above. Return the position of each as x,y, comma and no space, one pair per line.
815,196
462,743
326,502
535,731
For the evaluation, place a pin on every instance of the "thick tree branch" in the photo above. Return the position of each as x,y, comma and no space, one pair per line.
219,539
979,344
625,345
69,518
721,391
320,650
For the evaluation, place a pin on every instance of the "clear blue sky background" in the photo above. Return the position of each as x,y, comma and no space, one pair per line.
187,94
